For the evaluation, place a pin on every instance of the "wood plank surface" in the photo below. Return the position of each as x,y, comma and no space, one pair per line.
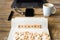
5,25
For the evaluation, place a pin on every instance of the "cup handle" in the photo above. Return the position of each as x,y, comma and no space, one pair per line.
53,10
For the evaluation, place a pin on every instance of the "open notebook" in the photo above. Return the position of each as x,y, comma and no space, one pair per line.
29,28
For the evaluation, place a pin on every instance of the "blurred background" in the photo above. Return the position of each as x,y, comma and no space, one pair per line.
5,25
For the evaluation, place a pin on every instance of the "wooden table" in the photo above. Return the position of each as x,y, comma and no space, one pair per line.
5,25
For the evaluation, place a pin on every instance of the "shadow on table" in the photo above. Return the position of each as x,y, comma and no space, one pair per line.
50,28
55,15
54,30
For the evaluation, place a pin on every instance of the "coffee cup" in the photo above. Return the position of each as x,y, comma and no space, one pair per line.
48,9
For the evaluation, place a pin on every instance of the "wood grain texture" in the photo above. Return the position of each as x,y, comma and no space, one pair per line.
54,1
5,25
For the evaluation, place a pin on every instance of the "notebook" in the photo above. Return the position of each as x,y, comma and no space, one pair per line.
29,28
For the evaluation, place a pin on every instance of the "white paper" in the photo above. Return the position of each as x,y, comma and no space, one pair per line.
28,20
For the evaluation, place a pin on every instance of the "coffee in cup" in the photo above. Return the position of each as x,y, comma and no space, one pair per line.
48,9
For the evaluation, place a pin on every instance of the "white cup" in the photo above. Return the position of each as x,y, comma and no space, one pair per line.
48,9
